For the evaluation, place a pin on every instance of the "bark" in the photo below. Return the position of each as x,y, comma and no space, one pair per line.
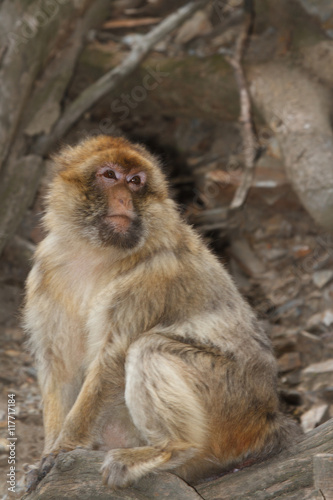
295,474
288,476
41,44
298,110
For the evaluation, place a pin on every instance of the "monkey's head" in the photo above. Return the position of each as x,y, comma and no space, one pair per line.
107,189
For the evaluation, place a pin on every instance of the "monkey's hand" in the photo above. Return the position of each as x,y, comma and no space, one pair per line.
36,475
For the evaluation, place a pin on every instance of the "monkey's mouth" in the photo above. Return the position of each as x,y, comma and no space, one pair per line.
120,223
122,230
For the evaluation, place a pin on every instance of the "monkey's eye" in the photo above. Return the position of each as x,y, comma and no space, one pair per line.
136,180
109,174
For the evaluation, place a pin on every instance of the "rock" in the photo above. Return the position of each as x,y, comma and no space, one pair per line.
310,347
278,226
320,8
318,375
327,317
292,379
198,24
321,278
319,58
289,305
227,38
269,173
314,417
241,279
327,394
301,251
275,253
324,318
297,110
246,258
289,361
285,342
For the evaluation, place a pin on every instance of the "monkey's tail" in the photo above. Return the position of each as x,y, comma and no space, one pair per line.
285,432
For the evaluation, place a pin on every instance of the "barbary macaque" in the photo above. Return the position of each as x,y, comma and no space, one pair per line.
143,345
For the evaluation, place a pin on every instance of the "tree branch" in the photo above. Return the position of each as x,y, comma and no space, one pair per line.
116,76
248,133
290,475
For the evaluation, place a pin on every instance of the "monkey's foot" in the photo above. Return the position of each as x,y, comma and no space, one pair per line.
122,467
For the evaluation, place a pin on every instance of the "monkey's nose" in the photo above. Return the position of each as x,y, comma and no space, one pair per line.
127,203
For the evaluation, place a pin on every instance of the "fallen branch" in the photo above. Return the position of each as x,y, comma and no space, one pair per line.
248,133
116,76
296,474
288,476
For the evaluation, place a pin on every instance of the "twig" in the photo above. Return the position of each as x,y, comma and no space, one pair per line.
130,23
248,133
116,76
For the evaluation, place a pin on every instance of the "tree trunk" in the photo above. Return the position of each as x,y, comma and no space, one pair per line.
298,110
42,41
300,473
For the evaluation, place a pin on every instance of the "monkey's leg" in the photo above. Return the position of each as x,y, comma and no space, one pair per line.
165,407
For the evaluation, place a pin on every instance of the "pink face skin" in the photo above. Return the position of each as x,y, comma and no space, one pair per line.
119,187
113,174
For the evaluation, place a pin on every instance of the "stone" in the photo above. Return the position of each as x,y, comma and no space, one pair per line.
285,342
301,251
321,278
275,253
320,8
198,24
324,318
317,415
289,361
310,347
246,258
328,317
327,394
318,375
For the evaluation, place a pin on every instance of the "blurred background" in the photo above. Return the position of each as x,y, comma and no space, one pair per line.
236,99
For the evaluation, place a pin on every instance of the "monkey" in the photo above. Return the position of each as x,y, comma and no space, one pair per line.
144,347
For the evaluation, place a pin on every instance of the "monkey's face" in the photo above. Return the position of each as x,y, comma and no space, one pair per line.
114,205
109,187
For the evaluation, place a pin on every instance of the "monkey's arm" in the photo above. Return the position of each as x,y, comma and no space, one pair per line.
65,433
54,416
103,383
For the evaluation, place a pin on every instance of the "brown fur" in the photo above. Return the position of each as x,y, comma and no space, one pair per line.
148,352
